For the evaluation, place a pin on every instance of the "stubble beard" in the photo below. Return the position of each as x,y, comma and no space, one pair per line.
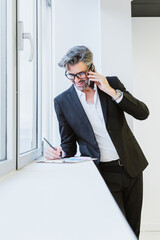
84,87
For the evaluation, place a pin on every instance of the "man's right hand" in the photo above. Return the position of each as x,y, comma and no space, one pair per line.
52,154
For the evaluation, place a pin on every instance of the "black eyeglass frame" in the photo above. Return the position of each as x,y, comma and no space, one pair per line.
76,75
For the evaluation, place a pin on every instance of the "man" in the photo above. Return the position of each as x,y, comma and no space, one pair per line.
94,118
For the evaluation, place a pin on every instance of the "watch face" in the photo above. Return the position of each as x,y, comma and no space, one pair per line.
119,93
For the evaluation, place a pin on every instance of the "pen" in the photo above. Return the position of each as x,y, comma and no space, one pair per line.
51,145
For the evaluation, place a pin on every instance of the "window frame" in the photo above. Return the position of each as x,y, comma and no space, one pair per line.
9,164
25,158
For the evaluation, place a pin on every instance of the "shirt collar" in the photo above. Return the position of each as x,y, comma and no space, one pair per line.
79,93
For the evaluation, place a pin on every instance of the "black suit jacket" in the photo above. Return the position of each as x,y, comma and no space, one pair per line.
75,127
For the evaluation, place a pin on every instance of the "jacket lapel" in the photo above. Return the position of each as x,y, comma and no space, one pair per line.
75,102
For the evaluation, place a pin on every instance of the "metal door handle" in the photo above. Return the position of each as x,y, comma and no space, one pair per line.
21,37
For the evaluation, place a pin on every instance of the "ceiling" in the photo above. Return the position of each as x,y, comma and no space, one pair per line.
145,8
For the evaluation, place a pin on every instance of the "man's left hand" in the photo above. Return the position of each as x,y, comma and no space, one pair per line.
102,83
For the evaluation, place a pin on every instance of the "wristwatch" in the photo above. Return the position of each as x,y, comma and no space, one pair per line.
118,94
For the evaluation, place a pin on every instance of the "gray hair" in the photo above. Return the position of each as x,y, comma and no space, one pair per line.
75,55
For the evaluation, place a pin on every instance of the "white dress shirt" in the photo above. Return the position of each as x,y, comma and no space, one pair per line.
95,116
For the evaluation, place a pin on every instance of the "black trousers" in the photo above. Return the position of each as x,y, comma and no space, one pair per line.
126,191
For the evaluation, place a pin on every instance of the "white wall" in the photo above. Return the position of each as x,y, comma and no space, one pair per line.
74,23
146,59
116,41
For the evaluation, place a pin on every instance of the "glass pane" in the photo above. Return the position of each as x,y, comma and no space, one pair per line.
3,100
28,79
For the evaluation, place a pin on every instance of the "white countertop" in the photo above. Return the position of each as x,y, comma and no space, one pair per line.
47,201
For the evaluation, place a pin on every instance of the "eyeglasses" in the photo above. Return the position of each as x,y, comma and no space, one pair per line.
80,75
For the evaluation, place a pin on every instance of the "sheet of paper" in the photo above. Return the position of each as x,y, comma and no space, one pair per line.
51,161
78,159
75,159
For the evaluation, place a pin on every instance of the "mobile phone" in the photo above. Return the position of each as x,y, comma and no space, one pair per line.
91,83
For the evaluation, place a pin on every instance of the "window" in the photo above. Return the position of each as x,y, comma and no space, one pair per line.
3,80
7,86
21,80
28,81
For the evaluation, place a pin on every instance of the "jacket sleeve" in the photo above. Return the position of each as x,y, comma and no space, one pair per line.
129,103
68,138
